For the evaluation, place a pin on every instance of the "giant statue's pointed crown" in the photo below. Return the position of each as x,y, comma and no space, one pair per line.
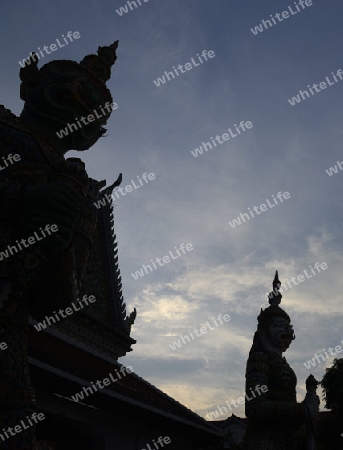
100,64
97,67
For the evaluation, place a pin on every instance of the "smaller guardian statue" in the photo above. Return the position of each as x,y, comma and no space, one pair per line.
274,415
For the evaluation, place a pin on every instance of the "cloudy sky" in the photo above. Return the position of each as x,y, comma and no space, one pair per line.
192,199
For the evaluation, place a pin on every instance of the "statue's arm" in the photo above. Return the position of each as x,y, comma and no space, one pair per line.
261,407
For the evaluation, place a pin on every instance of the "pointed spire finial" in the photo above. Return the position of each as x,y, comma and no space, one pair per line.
276,281
275,296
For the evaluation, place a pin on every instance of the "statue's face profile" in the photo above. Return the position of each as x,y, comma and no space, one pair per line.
281,333
64,97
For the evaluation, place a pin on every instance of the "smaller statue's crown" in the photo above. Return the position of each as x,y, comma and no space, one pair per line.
274,301
101,63
311,382
275,296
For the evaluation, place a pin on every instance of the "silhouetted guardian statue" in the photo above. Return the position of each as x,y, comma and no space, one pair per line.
274,416
40,188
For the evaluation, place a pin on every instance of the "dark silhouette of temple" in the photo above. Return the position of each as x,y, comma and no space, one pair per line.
128,414
63,318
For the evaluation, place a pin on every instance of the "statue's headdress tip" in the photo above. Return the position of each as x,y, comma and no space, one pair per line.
101,63
275,296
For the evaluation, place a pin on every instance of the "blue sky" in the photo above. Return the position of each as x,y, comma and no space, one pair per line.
192,199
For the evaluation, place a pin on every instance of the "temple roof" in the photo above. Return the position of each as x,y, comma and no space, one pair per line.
69,368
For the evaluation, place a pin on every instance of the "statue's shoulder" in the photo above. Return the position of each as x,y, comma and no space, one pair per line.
10,124
17,137
14,138
7,117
